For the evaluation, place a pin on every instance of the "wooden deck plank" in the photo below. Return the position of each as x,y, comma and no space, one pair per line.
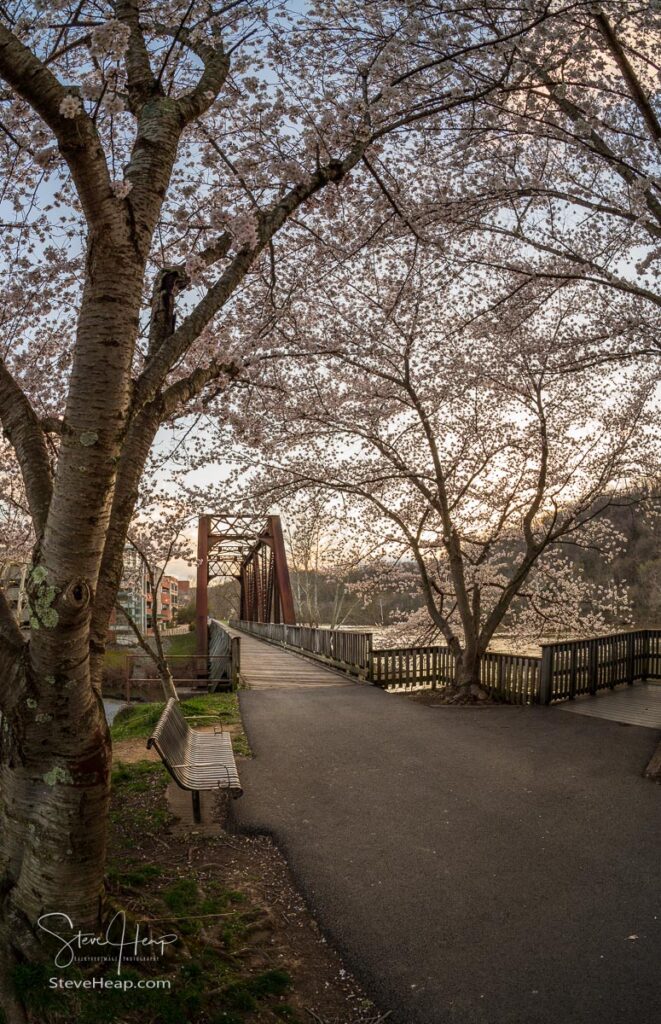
265,666
633,705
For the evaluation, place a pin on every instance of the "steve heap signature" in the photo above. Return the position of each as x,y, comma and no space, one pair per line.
120,946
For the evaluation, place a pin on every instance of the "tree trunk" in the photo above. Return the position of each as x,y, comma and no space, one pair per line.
55,751
169,689
167,682
52,818
467,680
55,784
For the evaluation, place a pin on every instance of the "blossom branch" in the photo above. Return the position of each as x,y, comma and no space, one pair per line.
77,136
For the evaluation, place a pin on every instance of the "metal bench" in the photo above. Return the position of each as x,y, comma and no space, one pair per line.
195,760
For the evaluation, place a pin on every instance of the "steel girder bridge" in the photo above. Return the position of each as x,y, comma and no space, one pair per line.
252,551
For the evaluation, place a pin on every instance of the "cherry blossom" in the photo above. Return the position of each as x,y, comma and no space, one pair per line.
248,235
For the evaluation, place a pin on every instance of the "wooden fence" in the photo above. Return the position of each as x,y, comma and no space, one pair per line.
653,653
403,668
586,666
513,677
189,673
217,670
563,671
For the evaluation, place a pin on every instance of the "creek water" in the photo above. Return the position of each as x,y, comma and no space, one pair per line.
112,707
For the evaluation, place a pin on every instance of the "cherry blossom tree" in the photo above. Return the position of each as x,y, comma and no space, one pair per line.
163,164
556,185
16,536
482,457
333,561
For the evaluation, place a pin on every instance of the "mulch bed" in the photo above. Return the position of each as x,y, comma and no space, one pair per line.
449,698
255,951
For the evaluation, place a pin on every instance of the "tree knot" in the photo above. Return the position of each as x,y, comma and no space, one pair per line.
76,596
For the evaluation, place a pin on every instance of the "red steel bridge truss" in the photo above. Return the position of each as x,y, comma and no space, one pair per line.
247,549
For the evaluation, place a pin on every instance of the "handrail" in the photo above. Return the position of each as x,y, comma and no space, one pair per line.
349,651
564,669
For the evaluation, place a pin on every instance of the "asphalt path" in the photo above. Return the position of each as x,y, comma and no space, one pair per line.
489,865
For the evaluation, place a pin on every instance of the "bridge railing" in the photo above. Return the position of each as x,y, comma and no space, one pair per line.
224,655
562,671
340,648
190,672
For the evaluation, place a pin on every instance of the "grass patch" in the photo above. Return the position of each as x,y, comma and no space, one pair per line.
138,778
211,982
181,896
135,877
192,908
246,995
182,643
138,721
31,986
225,705
181,1003
133,785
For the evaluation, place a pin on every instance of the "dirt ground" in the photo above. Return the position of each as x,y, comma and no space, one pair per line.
241,916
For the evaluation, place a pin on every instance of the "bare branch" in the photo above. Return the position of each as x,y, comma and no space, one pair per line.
22,428
141,80
629,75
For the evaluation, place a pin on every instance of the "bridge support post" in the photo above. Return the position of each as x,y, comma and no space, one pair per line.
235,650
284,604
630,662
646,656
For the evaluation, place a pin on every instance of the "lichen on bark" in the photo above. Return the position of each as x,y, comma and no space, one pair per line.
58,775
41,596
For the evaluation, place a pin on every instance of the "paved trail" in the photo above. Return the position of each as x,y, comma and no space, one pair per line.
474,865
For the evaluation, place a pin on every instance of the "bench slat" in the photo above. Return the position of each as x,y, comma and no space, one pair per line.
195,760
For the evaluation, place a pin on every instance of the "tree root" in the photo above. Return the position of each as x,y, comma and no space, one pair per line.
471,694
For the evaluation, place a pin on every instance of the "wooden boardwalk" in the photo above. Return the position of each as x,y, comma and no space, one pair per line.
632,705
265,666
